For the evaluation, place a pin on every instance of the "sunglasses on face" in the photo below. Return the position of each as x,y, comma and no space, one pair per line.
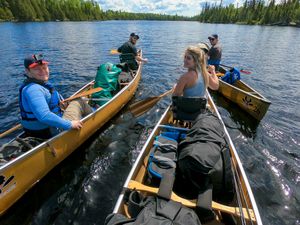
188,57
212,39
38,58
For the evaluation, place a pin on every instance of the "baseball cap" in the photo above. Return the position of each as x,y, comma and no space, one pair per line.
134,35
213,36
203,46
34,60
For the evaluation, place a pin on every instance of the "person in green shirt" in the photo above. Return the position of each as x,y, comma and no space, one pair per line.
130,48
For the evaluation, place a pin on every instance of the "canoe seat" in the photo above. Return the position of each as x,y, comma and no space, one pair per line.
129,58
187,108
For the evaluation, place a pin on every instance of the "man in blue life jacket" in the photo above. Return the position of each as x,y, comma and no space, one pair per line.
129,48
215,52
41,115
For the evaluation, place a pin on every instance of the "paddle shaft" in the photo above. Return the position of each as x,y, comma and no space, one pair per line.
241,70
85,93
192,203
140,107
5,133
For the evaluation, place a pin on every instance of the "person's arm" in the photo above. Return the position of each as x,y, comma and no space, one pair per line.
36,99
179,88
213,80
140,59
138,56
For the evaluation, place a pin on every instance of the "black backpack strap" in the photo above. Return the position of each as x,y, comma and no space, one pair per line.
167,209
204,204
135,203
166,186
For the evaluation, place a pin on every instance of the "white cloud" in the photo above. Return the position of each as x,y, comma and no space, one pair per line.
171,7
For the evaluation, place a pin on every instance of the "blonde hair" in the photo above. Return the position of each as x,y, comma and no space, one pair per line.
200,61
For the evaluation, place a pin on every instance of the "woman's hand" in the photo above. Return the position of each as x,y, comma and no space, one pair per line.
211,69
213,79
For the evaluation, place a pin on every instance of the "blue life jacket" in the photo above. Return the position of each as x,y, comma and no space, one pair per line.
214,61
231,76
53,104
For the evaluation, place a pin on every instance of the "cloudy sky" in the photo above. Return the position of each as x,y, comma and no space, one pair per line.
171,7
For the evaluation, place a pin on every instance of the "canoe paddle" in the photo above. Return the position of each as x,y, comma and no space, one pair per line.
114,52
241,70
17,127
82,94
140,107
134,185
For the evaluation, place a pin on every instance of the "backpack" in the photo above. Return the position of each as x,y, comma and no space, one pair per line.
204,160
163,155
231,76
106,78
162,159
157,211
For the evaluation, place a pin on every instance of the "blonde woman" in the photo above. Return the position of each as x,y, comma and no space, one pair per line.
195,81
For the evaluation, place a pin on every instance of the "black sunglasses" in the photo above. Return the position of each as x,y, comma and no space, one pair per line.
211,39
38,58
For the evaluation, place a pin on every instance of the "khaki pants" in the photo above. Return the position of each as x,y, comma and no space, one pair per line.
77,109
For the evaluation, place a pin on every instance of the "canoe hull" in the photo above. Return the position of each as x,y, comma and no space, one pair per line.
139,170
246,98
26,170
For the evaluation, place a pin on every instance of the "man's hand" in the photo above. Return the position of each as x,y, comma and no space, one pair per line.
76,124
63,105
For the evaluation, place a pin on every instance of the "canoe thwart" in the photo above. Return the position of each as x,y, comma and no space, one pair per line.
192,203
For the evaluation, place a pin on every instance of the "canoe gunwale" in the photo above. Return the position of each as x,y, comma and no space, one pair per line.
257,95
239,166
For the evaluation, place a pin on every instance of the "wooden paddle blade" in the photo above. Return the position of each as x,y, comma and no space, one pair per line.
220,74
84,93
140,107
114,52
5,133
134,185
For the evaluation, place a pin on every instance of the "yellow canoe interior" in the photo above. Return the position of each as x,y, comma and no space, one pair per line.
26,170
247,210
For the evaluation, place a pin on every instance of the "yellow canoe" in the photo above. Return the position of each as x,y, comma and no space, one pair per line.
243,209
22,173
245,97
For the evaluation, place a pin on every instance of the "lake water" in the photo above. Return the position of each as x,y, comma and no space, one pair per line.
84,188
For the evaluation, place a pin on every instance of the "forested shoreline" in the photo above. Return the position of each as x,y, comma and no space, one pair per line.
287,13
69,10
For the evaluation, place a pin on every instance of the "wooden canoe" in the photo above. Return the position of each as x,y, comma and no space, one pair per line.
20,174
245,97
245,211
